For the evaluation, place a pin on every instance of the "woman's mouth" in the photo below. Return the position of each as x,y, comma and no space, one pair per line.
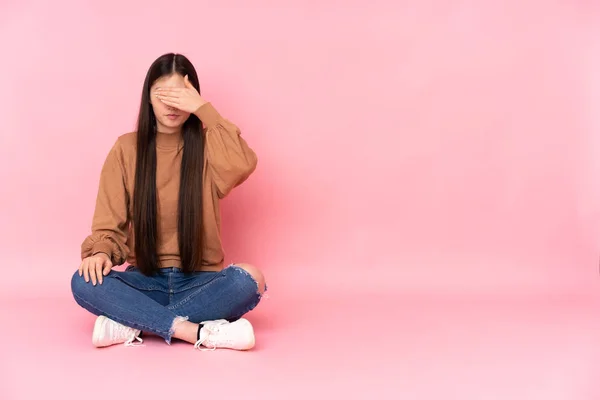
172,116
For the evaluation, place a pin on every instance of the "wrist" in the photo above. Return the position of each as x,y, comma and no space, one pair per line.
208,115
102,247
101,253
198,112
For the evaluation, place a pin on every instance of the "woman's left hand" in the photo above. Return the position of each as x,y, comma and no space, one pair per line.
185,99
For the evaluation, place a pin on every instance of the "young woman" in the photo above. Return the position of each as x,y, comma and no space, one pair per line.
158,210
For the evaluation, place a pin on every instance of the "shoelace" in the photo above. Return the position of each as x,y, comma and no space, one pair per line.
122,330
129,342
211,328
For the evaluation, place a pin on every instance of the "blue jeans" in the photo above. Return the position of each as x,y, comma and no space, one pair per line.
152,304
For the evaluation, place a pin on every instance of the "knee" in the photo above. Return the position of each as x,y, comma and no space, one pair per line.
79,287
77,284
256,274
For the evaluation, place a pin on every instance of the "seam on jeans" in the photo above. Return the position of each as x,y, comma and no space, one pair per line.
191,286
170,286
198,290
152,288
144,327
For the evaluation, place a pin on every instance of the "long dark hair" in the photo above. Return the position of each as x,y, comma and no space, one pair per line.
190,189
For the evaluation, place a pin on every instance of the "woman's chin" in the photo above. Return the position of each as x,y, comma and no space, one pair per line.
172,124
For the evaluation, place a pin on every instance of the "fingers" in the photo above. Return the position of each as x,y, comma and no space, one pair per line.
100,272
170,103
107,267
94,265
94,269
86,269
168,93
169,90
171,97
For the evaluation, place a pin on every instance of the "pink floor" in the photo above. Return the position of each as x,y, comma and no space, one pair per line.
353,345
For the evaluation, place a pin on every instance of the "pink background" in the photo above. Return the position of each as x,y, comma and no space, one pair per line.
405,149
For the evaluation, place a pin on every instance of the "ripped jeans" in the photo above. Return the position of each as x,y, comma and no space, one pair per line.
153,304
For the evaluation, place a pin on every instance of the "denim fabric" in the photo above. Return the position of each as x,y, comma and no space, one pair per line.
151,304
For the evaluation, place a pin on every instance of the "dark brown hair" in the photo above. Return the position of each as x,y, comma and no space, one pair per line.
190,189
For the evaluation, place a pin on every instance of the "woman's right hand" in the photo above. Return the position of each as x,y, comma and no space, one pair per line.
95,267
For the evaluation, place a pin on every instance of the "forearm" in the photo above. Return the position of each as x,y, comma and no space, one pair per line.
229,157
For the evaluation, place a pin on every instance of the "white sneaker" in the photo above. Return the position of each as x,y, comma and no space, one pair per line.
238,335
108,332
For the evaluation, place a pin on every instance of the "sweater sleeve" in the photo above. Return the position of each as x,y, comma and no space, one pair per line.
110,221
230,160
